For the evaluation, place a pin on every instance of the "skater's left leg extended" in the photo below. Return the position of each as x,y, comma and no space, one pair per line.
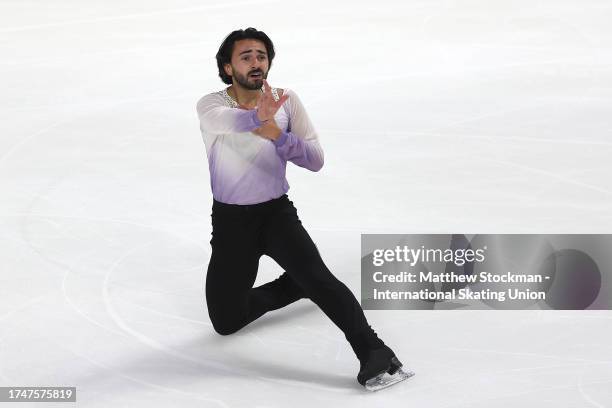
289,244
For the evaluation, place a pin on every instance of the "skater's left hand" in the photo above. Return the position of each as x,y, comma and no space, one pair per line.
268,130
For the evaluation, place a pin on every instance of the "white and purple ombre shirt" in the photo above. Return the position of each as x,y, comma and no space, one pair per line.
246,168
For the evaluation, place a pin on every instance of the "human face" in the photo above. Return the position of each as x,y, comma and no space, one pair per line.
249,65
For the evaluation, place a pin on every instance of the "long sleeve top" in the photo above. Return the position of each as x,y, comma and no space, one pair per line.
246,168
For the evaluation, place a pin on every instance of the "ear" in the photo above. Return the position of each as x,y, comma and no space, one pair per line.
228,69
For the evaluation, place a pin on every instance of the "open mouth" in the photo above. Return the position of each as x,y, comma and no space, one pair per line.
256,75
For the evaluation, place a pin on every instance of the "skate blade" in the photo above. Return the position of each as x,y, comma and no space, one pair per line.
385,379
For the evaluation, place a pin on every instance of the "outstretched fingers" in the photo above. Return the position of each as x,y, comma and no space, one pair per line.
282,100
268,106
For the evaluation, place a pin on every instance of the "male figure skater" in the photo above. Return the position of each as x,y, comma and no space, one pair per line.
250,131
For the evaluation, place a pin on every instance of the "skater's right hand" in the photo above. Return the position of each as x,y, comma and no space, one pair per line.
267,106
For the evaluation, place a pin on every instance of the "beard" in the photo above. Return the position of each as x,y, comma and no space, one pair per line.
250,83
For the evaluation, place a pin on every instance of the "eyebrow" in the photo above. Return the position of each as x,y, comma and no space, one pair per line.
250,49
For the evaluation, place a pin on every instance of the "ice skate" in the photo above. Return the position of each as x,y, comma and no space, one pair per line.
381,370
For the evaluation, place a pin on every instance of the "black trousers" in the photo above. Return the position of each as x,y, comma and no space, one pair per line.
241,235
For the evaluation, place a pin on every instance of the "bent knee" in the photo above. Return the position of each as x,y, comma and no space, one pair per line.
224,331
225,327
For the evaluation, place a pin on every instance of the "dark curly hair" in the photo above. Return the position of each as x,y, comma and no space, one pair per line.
224,55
